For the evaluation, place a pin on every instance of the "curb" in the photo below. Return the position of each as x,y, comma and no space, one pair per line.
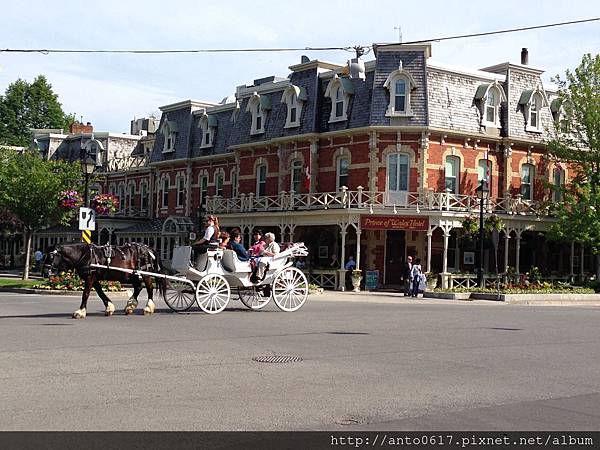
123,294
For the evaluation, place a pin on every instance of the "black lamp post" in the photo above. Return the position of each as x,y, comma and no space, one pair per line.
88,165
482,193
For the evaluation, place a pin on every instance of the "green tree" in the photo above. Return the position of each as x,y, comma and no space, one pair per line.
24,106
30,189
577,142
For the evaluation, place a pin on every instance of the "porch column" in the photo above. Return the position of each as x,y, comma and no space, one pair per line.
342,270
572,257
291,230
358,233
429,235
445,256
582,255
506,244
282,232
518,255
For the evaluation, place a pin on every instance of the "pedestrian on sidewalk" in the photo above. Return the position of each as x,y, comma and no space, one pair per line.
416,273
39,256
407,276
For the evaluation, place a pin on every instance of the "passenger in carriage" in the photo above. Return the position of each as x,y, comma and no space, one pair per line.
224,240
237,247
211,232
258,244
271,249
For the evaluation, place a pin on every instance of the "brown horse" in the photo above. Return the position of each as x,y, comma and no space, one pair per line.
80,257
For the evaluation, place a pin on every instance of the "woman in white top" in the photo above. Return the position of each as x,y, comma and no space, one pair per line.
415,275
211,231
271,249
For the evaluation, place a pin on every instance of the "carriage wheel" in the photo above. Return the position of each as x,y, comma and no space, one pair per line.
180,295
290,289
213,293
253,298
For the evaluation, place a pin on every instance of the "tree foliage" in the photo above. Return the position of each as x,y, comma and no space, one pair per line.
30,190
29,105
577,142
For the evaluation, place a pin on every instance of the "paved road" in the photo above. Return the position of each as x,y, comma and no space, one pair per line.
372,363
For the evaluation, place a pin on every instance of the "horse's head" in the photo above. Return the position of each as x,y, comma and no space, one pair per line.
62,258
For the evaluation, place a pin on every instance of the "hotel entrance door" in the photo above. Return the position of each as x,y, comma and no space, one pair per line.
395,251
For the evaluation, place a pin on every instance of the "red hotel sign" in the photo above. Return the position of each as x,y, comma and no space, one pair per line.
394,223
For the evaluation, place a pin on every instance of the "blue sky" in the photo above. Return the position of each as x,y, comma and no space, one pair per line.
109,90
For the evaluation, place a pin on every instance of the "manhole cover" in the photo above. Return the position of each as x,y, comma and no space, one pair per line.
277,359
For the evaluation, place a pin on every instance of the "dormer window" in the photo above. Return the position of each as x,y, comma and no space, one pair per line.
257,106
293,97
488,98
400,84
339,91
532,102
208,124
169,133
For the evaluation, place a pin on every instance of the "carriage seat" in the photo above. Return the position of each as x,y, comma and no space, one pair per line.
231,263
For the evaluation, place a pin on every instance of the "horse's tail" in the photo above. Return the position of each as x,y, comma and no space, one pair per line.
160,281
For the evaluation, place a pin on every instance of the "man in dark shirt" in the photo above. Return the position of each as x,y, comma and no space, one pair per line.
406,274
237,247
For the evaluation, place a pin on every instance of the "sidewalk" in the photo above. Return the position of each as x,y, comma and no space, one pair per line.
18,274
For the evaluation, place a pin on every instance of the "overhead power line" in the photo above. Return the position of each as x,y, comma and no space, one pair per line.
293,49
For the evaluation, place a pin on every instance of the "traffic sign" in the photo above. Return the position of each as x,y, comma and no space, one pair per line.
86,236
87,219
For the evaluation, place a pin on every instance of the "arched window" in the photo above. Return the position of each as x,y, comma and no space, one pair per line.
296,176
261,180
339,91
203,185
121,197
399,83
131,199
180,191
219,180
169,132
293,109
339,102
234,182
207,125
492,101
144,196
534,111
165,193
527,177
452,174
558,180
256,109
342,172
293,97
398,172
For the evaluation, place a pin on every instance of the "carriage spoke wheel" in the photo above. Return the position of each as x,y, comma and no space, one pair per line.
180,295
290,289
213,293
253,298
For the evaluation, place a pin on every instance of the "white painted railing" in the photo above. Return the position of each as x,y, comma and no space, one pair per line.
127,163
325,278
426,200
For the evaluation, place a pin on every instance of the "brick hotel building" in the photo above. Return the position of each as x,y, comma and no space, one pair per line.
377,159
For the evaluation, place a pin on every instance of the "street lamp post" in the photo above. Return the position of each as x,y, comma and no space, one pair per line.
88,165
482,193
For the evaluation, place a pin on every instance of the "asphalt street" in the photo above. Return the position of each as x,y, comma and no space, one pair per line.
368,362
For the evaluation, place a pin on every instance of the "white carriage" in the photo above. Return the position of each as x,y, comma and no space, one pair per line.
210,279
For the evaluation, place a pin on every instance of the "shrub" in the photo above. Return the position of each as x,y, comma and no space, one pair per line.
69,281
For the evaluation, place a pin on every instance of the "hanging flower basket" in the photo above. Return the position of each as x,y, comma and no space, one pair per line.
493,222
105,204
71,200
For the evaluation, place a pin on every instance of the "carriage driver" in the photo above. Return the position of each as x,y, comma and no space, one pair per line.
271,249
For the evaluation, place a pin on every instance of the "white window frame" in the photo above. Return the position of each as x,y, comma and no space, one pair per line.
291,98
296,168
557,194
180,191
207,132
338,176
260,182
144,196
481,176
169,144
202,188
255,109
409,85
493,107
121,189
534,109
397,194
335,91
234,183
164,193
219,180
531,168
455,176
130,195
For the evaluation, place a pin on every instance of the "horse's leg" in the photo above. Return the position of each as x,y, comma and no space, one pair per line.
82,311
150,306
133,301
108,305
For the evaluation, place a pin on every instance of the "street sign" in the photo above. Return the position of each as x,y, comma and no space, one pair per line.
86,236
87,219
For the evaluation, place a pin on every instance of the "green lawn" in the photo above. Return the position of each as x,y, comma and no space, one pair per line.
16,283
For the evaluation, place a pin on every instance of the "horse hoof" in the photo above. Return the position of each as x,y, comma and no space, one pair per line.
108,313
79,314
128,311
110,309
147,311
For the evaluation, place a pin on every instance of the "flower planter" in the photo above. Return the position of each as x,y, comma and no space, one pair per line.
356,279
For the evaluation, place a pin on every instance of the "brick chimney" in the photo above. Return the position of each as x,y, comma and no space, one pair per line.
524,57
78,128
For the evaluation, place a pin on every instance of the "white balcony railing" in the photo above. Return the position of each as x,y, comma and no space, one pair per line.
127,163
426,200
